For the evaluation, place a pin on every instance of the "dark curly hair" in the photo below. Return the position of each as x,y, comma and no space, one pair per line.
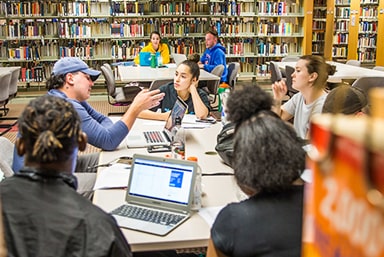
50,128
268,155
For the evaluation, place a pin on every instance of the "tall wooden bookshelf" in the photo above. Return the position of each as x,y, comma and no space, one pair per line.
34,34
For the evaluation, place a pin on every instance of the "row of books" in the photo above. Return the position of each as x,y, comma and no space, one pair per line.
339,51
343,2
368,12
366,26
342,12
342,25
340,38
33,74
367,41
279,29
366,56
232,8
277,8
317,48
319,13
316,36
317,25
275,49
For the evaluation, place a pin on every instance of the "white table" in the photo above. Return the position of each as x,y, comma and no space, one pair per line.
148,74
218,190
343,71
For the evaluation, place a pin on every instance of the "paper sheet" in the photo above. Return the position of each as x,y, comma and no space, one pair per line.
209,214
115,176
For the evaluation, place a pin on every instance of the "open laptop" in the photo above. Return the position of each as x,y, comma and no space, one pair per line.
159,194
179,58
163,137
145,58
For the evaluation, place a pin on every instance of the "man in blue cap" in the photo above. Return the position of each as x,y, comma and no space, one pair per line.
72,80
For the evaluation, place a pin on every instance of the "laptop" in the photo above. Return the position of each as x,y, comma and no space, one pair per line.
137,139
145,58
179,58
159,194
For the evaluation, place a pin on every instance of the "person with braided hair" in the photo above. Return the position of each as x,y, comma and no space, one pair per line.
43,215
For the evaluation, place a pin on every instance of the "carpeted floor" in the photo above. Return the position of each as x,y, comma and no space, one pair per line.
98,102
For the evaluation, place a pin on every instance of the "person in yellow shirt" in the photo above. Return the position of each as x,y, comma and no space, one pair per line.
156,46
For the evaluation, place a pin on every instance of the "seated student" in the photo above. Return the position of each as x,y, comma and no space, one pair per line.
214,55
184,85
156,46
310,79
72,80
42,213
346,100
268,161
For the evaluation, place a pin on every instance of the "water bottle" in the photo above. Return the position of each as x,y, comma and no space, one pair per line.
153,61
224,97
197,191
178,140
159,61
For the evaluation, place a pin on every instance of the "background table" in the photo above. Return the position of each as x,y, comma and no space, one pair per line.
148,74
218,190
343,71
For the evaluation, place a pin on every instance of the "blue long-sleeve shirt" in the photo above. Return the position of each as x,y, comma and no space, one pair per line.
100,130
215,56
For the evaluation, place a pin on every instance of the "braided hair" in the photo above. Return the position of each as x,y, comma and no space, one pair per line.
50,128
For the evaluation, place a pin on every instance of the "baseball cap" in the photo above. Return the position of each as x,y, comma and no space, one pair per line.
345,99
72,64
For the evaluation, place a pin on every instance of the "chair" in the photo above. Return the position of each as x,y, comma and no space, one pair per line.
179,58
380,68
275,72
366,83
289,70
118,96
212,86
6,153
159,82
15,73
233,71
354,63
290,58
5,79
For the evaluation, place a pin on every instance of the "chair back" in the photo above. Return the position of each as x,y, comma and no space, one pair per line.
5,79
159,82
6,153
354,63
380,68
233,71
214,85
366,83
275,72
289,70
14,79
290,58
109,79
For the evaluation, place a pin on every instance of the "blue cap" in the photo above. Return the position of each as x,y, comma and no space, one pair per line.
73,64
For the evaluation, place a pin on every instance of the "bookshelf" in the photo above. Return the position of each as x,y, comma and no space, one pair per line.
34,34
319,22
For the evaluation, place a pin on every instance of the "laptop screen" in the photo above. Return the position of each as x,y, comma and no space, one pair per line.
178,110
162,180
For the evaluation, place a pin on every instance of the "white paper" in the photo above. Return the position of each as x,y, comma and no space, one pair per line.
209,214
115,176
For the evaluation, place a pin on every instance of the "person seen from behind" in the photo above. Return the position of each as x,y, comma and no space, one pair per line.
43,214
268,161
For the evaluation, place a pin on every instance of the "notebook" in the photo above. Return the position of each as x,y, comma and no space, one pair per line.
159,194
145,58
179,58
158,137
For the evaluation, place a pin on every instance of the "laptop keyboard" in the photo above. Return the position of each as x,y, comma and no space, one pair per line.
153,137
149,215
